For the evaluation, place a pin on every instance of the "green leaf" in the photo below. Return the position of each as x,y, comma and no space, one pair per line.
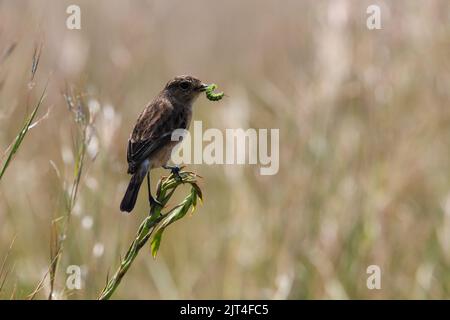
156,241
174,215
22,133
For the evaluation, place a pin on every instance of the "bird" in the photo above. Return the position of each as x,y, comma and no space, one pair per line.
150,144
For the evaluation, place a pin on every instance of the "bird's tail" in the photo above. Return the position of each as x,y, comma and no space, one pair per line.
130,197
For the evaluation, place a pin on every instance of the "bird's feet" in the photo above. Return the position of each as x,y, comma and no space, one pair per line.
175,170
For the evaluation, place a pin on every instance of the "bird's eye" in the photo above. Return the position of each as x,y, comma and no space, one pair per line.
185,85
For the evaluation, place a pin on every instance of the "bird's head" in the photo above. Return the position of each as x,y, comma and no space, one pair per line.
185,89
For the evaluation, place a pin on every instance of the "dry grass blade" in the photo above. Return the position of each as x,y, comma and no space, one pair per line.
55,250
3,271
40,285
36,59
59,233
8,51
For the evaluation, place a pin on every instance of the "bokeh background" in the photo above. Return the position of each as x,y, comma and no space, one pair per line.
364,119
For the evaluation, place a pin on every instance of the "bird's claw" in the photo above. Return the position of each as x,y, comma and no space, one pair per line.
175,170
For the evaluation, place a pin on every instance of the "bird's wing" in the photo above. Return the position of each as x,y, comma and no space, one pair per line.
153,130
138,152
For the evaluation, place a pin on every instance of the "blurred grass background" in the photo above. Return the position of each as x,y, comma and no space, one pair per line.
364,124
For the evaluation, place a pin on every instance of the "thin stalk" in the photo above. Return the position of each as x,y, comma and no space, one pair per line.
22,133
155,221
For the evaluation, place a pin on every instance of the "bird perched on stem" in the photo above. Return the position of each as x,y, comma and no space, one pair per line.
150,144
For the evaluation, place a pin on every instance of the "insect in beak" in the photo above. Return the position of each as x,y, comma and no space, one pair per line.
202,87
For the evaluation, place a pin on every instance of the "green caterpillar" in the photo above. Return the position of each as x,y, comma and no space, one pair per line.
211,95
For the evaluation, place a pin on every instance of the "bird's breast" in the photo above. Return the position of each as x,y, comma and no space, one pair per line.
162,156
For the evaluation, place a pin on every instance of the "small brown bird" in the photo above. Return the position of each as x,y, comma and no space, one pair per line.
150,144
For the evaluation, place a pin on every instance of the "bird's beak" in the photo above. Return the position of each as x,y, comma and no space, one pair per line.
203,87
